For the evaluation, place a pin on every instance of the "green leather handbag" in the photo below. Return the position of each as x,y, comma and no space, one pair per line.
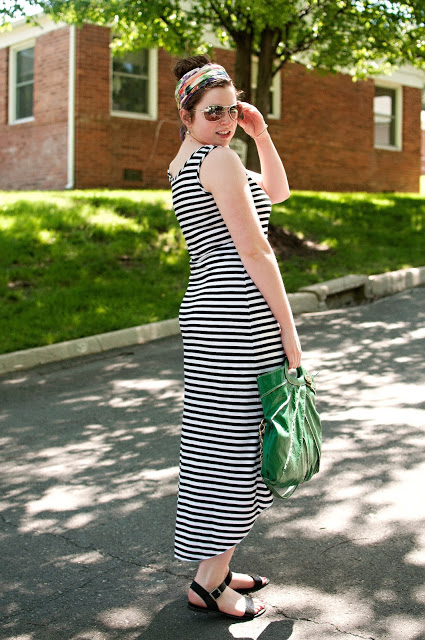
290,432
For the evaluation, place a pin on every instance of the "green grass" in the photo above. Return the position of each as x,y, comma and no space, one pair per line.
84,262
366,233
81,263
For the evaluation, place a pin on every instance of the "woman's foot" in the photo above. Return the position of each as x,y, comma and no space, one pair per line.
229,602
245,583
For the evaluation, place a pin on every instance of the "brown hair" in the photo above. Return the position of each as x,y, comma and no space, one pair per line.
183,66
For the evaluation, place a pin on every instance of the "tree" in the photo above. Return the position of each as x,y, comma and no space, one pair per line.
364,37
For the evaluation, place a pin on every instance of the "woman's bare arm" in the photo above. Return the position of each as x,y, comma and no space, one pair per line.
273,175
223,175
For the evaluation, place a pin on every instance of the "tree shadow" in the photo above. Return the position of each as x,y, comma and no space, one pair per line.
89,480
358,228
96,265
176,621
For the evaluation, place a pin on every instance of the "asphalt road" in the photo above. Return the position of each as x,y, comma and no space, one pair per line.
89,454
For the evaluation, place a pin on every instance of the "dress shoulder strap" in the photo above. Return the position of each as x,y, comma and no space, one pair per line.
194,161
203,151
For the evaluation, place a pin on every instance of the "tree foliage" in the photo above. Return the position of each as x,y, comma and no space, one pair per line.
357,34
363,37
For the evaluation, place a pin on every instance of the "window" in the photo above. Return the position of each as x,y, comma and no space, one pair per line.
21,83
387,117
274,95
134,80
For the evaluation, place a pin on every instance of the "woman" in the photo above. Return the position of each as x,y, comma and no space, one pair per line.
236,323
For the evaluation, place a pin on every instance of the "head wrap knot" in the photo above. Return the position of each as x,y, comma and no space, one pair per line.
196,79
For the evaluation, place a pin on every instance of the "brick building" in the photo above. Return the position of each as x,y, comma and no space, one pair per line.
73,116
423,145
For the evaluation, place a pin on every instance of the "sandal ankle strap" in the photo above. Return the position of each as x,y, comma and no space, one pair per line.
228,578
210,598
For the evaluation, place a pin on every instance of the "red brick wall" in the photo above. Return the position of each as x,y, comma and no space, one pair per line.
33,154
4,79
326,135
92,142
400,171
423,152
106,145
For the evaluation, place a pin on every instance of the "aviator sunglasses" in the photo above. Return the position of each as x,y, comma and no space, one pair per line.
216,111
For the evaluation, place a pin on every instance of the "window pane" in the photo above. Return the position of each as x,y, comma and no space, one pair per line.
24,87
130,82
24,101
135,63
25,65
384,106
384,134
130,94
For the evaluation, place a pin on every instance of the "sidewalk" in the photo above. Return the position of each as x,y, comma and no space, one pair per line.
89,478
351,289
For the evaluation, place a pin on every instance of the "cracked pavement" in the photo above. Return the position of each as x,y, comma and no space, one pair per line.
88,472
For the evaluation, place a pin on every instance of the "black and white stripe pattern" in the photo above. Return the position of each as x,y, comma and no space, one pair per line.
230,336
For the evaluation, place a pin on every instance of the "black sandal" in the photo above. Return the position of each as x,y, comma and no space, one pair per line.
258,583
211,598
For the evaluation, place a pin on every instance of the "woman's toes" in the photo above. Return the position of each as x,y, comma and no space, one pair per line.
258,605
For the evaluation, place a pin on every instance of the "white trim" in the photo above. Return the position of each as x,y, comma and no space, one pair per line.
152,89
12,119
276,108
384,148
22,30
153,78
71,108
398,114
405,75
132,116
21,121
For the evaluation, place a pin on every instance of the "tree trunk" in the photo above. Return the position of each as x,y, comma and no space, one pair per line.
265,71
243,73
262,94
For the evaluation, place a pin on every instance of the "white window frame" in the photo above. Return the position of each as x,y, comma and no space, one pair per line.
398,146
13,51
152,91
275,112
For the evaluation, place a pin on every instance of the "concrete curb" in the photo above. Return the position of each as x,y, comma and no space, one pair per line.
85,346
386,284
351,289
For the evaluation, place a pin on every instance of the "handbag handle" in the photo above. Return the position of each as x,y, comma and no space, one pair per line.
303,378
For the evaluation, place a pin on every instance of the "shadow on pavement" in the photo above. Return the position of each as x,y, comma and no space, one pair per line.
208,626
89,479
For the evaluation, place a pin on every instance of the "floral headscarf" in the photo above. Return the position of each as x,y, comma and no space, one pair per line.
196,79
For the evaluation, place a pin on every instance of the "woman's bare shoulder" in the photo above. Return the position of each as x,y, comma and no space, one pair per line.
218,155
221,164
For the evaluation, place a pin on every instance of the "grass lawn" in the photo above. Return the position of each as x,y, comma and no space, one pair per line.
349,233
78,263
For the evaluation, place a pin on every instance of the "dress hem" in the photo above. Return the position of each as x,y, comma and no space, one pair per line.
235,544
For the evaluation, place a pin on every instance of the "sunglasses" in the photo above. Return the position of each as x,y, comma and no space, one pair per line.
216,111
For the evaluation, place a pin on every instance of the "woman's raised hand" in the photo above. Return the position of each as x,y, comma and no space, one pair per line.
252,122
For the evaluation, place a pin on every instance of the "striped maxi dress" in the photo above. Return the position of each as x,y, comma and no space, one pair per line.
229,336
